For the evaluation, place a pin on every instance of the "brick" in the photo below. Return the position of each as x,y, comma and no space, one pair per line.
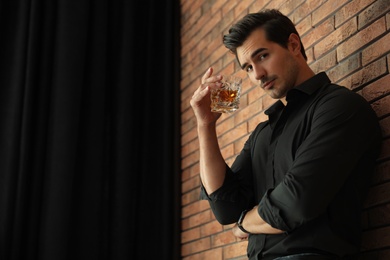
367,74
376,239
232,135
377,9
189,136
335,38
388,21
345,68
202,26
304,26
190,197
218,53
222,239
379,216
194,170
378,195
324,63
327,9
190,184
255,94
318,33
229,161
377,88
227,59
274,4
228,151
188,125
288,7
382,106
258,5
309,55
247,85
190,148
379,48
364,220
199,219
190,235
189,160
190,85
195,246
241,8
385,126
247,112
185,174
388,60
211,228
235,250
229,69
385,152
382,173
190,20
224,126
215,253
301,11
216,7
228,7
360,39
186,115
350,10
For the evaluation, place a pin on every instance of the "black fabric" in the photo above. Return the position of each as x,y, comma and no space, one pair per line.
308,170
89,136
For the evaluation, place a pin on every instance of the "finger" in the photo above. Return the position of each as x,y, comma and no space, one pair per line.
213,79
207,74
198,95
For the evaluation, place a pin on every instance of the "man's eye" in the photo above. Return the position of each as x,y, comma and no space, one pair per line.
263,56
248,69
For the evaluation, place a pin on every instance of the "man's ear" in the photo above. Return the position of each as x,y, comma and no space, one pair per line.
294,44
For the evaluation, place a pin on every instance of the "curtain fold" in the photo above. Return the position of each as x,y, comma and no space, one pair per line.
90,131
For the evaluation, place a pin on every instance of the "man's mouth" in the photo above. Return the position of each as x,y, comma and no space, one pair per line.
268,84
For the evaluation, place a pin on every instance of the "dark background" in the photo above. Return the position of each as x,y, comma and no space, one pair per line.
89,129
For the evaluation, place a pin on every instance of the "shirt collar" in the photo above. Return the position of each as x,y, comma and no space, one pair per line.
309,86
303,90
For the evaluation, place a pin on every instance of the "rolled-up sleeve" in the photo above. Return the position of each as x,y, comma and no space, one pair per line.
237,192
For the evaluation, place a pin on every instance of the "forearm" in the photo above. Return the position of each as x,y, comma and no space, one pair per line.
212,164
254,224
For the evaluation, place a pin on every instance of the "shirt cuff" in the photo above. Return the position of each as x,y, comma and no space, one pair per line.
271,214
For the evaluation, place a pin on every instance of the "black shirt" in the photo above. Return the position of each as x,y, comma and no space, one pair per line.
307,168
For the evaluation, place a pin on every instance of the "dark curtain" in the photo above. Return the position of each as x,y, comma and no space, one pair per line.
89,129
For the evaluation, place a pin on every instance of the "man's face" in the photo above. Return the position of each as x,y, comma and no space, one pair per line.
269,65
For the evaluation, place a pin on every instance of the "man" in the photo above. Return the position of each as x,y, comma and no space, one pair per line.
297,187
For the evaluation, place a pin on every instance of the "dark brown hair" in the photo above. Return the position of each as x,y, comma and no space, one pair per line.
277,27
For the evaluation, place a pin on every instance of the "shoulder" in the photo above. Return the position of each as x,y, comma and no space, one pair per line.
337,105
340,99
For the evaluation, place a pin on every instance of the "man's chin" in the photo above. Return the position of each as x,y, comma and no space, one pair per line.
275,95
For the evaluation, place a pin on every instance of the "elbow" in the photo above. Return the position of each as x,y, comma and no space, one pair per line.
225,214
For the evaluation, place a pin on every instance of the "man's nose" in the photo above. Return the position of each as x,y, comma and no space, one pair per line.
259,72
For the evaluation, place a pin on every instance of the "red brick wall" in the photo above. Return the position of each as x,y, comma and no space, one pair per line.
349,40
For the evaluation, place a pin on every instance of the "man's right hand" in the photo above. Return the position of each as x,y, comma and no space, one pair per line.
200,101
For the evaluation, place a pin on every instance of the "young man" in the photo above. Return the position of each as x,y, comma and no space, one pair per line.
297,187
